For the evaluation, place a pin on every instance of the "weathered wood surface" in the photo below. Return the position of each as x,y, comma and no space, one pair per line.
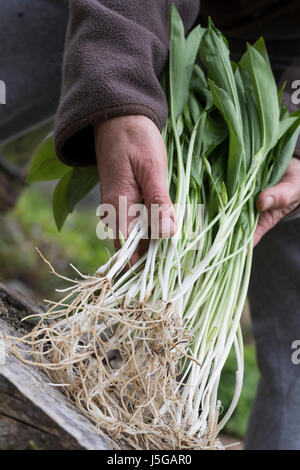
34,414
24,426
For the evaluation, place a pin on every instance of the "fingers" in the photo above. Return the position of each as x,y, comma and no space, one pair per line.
119,199
157,200
150,169
119,188
267,221
132,164
282,197
278,201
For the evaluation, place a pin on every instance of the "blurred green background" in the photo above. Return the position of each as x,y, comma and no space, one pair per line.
30,224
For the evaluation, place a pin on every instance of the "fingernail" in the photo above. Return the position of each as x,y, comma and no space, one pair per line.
269,202
167,227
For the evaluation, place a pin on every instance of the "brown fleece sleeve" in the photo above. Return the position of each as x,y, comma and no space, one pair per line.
114,55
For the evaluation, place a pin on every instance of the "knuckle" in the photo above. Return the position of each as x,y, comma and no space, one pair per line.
283,199
159,199
268,220
289,208
149,160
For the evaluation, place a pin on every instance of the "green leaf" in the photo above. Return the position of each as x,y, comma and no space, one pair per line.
60,200
182,59
188,121
253,115
83,180
200,87
195,108
200,79
196,168
286,124
284,112
45,165
280,92
266,95
245,117
224,194
236,164
260,46
284,153
71,189
214,133
218,164
214,54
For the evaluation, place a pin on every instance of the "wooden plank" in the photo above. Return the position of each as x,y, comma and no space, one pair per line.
47,417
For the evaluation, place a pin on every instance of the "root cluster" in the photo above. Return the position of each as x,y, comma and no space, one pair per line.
121,366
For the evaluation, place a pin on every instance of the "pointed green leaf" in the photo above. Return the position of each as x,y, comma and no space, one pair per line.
252,111
83,180
182,59
280,93
285,153
236,159
214,54
286,124
260,46
200,88
71,189
45,165
266,94
60,200
245,117
215,131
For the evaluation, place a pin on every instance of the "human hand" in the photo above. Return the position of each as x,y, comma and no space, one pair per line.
132,162
278,201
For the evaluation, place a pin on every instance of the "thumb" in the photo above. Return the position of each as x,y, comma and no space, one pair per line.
153,184
281,196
